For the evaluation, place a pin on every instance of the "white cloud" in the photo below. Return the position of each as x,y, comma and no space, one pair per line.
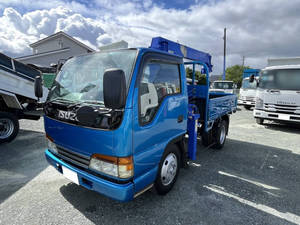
21,30
256,29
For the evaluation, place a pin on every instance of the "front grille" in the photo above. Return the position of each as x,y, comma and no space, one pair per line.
81,162
288,109
73,157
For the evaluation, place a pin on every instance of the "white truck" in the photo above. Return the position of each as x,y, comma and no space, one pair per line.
223,86
248,89
278,92
17,97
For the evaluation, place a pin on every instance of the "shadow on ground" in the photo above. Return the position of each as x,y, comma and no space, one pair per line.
244,183
284,127
20,161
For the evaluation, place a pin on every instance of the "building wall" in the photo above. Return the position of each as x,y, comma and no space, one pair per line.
47,46
52,45
58,43
47,60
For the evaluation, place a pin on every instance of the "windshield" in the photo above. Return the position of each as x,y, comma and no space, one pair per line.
222,85
247,85
81,78
284,79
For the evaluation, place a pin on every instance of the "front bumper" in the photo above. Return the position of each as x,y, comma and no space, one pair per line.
276,116
244,102
120,192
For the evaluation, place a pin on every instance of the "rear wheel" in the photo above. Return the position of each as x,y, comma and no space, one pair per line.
220,134
248,107
9,127
260,121
168,170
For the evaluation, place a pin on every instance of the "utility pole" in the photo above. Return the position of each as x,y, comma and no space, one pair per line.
243,62
224,66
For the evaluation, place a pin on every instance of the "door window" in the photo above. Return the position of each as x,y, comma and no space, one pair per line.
158,81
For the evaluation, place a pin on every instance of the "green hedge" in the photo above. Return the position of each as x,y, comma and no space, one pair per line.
48,79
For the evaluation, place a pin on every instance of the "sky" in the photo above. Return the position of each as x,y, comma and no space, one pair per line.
256,29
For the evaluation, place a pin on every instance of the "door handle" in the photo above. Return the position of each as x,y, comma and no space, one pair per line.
180,119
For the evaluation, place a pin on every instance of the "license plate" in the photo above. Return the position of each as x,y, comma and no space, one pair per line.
249,103
284,117
71,175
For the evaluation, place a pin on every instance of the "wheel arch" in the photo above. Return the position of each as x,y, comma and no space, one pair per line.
179,141
227,119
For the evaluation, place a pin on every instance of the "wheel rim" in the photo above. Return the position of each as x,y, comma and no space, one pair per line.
223,134
169,169
6,128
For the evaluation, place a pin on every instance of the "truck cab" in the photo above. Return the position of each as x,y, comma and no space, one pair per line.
119,122
248,89
278,94
223,86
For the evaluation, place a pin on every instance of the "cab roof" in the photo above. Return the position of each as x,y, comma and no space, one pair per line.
282,67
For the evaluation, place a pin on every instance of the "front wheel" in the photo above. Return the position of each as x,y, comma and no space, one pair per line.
248,107
260,121
221,132
9,127
168,170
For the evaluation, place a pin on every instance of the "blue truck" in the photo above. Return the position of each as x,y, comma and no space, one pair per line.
119,122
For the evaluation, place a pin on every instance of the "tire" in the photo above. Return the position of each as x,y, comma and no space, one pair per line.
168,170
9,127
248,107
206,138
260,121
220,134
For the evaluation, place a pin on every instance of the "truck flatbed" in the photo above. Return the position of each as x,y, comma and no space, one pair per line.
17,78
17,96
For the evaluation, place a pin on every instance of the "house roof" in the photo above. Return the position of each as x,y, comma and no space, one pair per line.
43,54
58,34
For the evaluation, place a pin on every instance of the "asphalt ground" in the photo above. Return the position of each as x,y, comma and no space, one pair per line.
254,179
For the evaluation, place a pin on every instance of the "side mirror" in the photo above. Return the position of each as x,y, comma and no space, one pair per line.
38,86
251,78
114,88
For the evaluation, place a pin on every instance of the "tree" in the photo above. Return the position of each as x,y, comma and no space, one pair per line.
198,76
235,74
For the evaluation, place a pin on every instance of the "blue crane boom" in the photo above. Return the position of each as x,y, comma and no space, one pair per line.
181,50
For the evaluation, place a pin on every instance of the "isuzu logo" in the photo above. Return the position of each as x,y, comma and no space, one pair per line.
67,115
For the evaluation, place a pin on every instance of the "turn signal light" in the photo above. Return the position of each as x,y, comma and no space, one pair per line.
121,167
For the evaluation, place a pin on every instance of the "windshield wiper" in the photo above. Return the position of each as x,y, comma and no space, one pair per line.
61,100
87,102
87,88
93,102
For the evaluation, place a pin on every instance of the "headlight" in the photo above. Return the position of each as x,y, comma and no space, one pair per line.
117,167
259,103
51,145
